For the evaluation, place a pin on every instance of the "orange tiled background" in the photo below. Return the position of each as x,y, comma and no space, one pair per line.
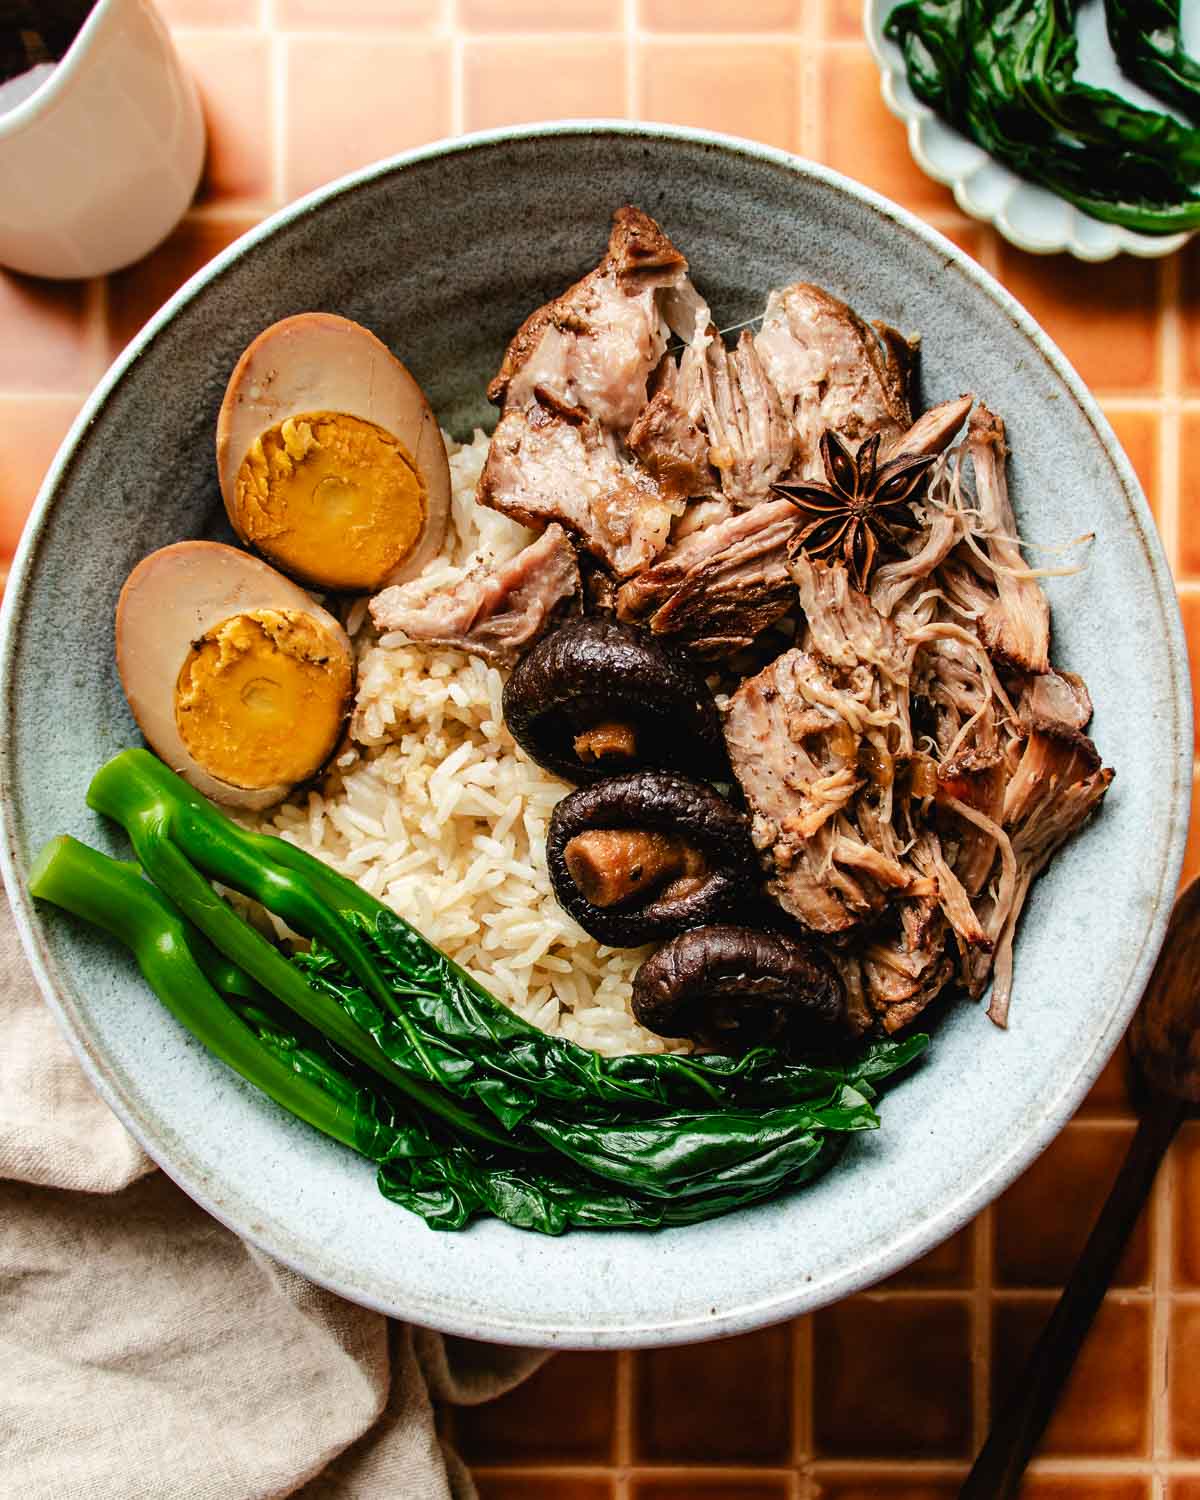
886,1396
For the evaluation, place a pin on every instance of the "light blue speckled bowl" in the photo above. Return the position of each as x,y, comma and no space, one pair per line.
442,252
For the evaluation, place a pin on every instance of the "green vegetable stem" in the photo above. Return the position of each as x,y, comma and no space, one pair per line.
375,1037
183,970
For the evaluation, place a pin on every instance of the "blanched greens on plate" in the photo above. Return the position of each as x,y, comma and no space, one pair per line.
1004,72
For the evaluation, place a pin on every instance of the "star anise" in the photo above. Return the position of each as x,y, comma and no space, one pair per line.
861,505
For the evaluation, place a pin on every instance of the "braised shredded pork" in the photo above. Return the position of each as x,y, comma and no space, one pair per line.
914,762
910,757
492,612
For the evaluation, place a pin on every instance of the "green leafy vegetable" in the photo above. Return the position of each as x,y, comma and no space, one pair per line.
1148,41
1003,71
377,1038
180,968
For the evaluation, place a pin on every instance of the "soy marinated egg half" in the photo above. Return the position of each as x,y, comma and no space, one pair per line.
329,458
236,678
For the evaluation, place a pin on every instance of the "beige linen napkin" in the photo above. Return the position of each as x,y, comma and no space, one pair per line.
146,1353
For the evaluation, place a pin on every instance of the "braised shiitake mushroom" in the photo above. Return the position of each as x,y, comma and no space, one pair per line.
736,987
647,854
596,697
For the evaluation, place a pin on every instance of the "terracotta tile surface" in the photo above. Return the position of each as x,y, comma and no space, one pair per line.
1105,1409
348,15
376,75
523,1486
541,15
1189,495
1189,605
978,240
1078,1487
1104,321
738,1406
47,343
1187,1207
1109,1096
843,20
1185,1389
1189,292
694,1486
232,71
516,1485
950,1265
1140,434
880,1487
31,428
507,83
723,15
858,135
743,88
1191,859
134,294
1043,1221
885,1396
563,1414
178,13
919,1351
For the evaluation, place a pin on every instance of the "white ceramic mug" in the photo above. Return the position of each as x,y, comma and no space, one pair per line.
100,163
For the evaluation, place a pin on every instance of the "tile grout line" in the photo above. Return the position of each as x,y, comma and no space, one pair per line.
632,58
96,317
1072,1465
1170,360
277,43
623,1424
810,78
458,77
982,1304
803,1364
1163,1225
812,88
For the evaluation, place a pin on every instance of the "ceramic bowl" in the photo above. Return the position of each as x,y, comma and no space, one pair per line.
443,252
1031,217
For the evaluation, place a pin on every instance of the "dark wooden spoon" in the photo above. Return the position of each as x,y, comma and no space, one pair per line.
1164,1043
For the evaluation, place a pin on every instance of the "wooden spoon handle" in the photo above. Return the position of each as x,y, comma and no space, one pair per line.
996,1474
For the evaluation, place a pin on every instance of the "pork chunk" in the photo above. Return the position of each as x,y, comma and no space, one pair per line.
720,587
668,441
493,613
749,435
1016,625
591,351
833,370
542,467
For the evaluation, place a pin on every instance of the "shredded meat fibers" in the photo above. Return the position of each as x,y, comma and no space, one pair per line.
915,762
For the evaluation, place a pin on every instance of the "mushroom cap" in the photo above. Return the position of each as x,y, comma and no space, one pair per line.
171,600
739,986
674,804
594,669
318,361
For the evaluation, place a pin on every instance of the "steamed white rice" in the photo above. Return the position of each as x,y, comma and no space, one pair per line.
437,812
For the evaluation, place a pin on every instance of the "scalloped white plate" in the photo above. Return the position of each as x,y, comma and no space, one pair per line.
1031,217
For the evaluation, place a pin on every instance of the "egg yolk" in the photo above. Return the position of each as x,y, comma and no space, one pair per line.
261,698
331,499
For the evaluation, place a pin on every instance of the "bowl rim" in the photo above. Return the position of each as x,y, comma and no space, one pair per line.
790,1301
